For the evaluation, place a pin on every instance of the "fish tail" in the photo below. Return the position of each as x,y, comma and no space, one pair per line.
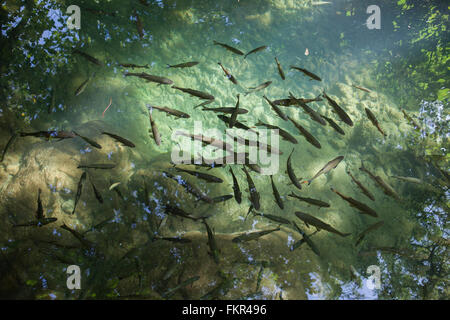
168,66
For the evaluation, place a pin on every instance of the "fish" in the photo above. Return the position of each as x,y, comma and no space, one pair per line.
213,249
97,166
114,185
276,109
362,187
411,120
228,74
236,189
308,136
313,114
88,57
229,48
185,283
318,224
280,70
371,228
387,189
98,196
251,143
86,243
334,125
222,198
312,201
170,111
255,50
374,121
307,239
291,172
173,239
253,235
154,129
284,134
41,220
272,217
308,73
79,189
237,124
49,134
409,179
174,210
254,195
149,77
363,208
226,110
132,65
361,88
139,26
276,194
9,144
339,111
291,101
88,140
190,188
259,87
126,142
200,175
183,65
195,93
327,168
235,113
83,86
208,141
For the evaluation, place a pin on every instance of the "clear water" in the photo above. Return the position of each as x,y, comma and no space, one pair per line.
329,39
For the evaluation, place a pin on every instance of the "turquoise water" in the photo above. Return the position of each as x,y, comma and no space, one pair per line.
124,258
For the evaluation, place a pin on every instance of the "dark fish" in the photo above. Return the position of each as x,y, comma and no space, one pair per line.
97,166
41,220
201,175
361,88
308,136
356,204
327,168
369,229
203,162
174,210
154,128
318,224
126,142
83,86
170,111
312,201
90,141
254,195
276,109
260,87
139,26
313,114
291,172
276,194
253,235
9,144
149,77
235,113
361,186
98,196
387,189
88,57
222,198
229,48
213,249
340,112
236,189
284,134
183,65
272,217
237,124
208,141
411,120
255,50
226,110
173,239
374,121
250,143
280,70
132,65
308,73
307,239
86,243
195,93
185,283
228,74
40,208
294,101
79,189
190,188
334,125
49,134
